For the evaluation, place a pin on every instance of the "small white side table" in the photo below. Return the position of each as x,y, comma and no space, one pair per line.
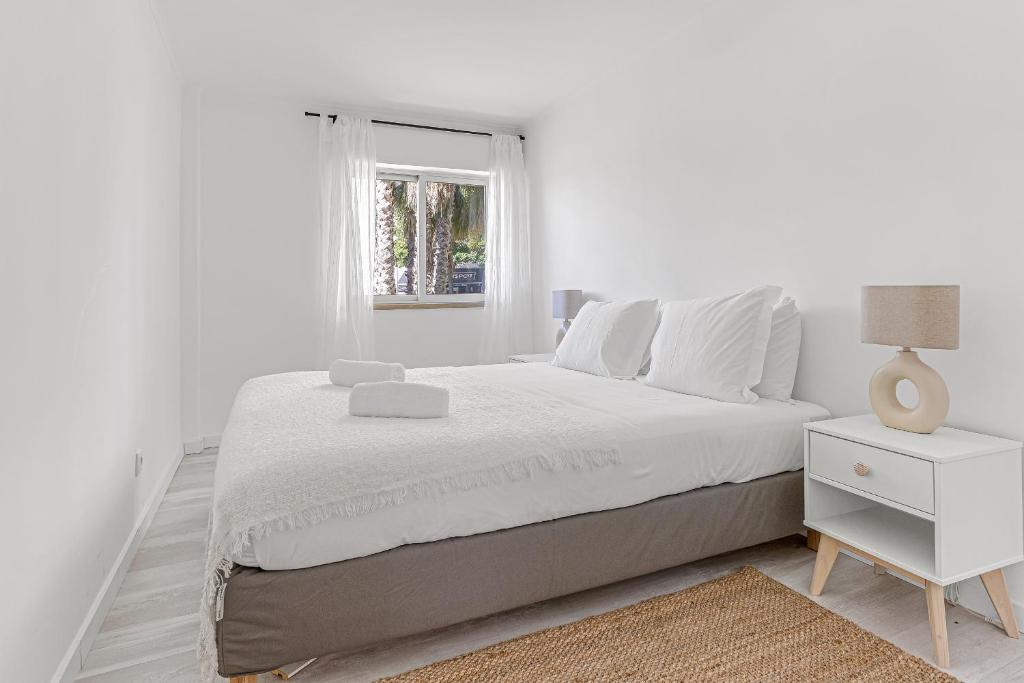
935,508
532,358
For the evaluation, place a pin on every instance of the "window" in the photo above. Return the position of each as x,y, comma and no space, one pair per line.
429,237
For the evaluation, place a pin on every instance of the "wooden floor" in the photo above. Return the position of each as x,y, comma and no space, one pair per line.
151,630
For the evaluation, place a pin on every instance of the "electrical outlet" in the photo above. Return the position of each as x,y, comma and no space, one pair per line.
138,463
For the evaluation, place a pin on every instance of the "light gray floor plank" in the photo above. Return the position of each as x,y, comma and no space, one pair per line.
189,572
143,607
176,549
151,630
177,667
145,641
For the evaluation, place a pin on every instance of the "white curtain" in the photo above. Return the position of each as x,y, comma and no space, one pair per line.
507,283
348,159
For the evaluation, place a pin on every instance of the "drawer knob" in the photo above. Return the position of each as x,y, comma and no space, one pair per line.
861,470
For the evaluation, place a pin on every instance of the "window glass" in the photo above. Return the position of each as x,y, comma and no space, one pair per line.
394,268
455,220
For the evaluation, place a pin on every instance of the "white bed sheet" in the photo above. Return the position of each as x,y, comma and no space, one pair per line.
676,443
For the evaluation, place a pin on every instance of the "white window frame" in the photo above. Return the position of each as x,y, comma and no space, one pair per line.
422,175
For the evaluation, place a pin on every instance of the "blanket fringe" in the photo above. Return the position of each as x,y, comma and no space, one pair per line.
218,571
432,488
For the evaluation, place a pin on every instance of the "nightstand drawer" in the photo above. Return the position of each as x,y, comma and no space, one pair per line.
893,476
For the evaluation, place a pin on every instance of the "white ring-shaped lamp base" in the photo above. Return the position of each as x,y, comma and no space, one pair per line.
933,396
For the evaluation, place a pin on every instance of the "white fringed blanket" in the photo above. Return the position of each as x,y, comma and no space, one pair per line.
291,456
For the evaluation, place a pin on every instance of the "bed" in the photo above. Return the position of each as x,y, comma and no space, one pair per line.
333,533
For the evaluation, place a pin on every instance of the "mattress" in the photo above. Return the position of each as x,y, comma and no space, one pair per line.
275,617
669,443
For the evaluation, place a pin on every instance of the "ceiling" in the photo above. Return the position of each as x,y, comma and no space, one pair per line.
484,60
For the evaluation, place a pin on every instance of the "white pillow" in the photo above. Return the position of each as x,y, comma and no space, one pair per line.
783,352
713,347
609,338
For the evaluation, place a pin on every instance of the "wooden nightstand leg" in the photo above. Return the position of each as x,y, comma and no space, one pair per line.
828,549
813,538
936,598
995,583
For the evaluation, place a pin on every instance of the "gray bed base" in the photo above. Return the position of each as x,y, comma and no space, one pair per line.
272,618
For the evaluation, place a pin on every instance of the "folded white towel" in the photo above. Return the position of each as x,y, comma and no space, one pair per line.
348,373
398,399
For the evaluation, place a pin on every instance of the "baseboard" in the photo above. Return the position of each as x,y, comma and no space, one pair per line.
970,595
973,597
193,447
71,663
211,441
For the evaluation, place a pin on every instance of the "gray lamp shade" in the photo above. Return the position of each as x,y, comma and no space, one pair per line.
566,303
914,316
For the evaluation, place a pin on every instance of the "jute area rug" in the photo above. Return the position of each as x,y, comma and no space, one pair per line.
741,627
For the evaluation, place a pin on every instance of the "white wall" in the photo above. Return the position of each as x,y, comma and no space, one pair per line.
256,229
89,291
818,145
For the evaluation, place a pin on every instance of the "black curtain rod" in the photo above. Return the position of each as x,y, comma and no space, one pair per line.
333,117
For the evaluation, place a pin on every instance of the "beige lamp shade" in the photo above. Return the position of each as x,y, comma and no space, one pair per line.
911,316
916,316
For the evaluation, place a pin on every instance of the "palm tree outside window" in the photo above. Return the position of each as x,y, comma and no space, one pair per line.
430,235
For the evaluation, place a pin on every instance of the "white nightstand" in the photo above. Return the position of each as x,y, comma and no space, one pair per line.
935,508
532,358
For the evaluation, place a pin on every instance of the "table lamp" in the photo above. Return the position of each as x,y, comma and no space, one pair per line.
914,316
565,304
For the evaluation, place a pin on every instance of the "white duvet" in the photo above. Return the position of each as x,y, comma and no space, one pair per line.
300,482
525,443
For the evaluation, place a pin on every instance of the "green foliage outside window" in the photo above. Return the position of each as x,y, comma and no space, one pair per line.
456,216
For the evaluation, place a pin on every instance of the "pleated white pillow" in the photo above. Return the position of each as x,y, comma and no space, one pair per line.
714,347
780,360
609,338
